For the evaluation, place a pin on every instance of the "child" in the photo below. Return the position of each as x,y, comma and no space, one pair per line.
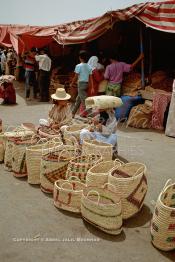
82,72
60,114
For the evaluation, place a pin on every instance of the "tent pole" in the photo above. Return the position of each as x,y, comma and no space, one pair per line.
142,62
150,56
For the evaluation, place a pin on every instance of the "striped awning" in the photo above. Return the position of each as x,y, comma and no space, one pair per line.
160,16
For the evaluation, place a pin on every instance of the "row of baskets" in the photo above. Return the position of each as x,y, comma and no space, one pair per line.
104,191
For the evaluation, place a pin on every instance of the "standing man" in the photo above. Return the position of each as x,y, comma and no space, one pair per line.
44,74
30,77
3,61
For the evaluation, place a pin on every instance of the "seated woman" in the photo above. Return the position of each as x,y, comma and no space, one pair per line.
60,114
103,128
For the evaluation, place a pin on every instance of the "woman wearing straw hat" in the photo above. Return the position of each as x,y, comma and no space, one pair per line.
60,114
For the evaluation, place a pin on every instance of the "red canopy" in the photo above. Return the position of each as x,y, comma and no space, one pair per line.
160,16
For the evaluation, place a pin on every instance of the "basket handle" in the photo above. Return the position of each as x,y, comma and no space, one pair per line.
168,182
10,126
96,193
106,186
138,170
67,183
118,160
64,150
55,140
42,140
73,140
74,178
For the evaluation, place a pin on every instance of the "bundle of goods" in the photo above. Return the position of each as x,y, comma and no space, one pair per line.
102,208
54,166
161,80
97,147
73,131
131,84
131,185
7,91
80,165
140,116
9,138
19,155
67,194
103,102
33,158
72,90
48,132
149,92
98,174
163,221
128,103
170,126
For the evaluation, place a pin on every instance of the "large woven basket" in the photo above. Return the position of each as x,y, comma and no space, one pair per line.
101,207
33,159
131,184
74,130
47,132
98,174
2,148
9,139
54,166
163,221
68,193
80,165
19,155
96,147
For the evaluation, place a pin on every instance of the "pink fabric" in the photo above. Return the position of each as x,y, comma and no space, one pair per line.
160,102
114,72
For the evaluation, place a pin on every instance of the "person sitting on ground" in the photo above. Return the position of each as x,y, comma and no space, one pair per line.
103,128
83,73
60,113
7,90
114,73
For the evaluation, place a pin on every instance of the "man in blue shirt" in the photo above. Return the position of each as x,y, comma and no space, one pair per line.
83,73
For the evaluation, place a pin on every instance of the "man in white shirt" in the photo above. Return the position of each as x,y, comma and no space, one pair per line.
44,74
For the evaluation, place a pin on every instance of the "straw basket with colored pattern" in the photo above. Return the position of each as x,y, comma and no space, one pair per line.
19,155
98,174
80,165
54,166
101,207
33,158
163,221
131,184
96,147
9,138
68,193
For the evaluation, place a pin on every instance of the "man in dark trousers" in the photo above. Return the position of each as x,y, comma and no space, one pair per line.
44,74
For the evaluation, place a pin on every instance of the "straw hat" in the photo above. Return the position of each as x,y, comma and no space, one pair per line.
60,94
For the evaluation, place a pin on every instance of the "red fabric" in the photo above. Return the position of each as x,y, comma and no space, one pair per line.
7,92
160,16
97,77
160,103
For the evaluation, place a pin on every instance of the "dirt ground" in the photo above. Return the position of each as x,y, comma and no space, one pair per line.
32,229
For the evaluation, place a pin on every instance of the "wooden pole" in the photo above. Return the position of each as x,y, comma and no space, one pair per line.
150,56
142,62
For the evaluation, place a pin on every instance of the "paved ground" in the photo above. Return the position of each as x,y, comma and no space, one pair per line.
32,229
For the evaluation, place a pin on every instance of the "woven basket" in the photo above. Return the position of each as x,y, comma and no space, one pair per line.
131,184
19,155
33,159
54,166
2,148
74,131
98,174
80,165
68,193
9,139
96,147
163,221
47,132
101,207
